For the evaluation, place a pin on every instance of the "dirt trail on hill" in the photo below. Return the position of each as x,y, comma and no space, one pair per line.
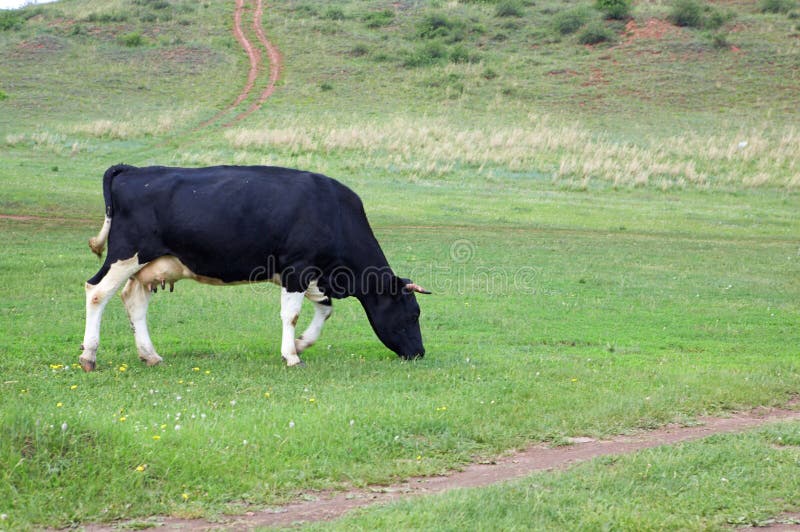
274,65
255,59
330,505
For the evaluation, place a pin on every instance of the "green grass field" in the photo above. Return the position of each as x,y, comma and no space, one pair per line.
611,233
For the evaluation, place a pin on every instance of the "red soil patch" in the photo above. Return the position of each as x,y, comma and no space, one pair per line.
324,506
654,29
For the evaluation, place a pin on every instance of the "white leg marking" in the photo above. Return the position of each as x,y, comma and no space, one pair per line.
311,334
136,297
291,302
97,296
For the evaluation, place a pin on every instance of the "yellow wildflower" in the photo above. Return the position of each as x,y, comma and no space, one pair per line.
141,467
185,496
123,418
73,387
59,405
156,437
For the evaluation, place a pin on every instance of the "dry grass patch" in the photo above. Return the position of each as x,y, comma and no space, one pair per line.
131,127
566,152
56,143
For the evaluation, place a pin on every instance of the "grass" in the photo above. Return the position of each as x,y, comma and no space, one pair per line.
608,250
716,484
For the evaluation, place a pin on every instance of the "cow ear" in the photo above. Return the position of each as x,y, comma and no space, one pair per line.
410,286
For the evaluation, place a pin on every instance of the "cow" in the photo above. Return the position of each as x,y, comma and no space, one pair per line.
227,225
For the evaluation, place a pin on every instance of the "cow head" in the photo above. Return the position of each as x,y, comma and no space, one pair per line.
394,316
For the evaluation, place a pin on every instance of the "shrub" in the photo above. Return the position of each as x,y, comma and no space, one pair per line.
686,13
714,19
570,21
427,54
325,86
776,6
614,9
3,96
438,26
10,20
132,39
334,13
595,33
509,8
359,50
693,14
460,54
378,19
720,41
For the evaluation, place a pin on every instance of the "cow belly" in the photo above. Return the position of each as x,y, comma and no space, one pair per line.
169,269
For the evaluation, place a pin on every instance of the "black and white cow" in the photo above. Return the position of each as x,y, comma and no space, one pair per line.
231,224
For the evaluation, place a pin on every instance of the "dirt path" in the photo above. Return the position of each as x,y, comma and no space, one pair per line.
255,59
330,505
274,65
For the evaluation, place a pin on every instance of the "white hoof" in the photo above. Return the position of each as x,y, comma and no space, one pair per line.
151,360
292,360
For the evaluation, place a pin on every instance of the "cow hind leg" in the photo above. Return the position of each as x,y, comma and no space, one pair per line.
291,302
97,297
136,297
322,311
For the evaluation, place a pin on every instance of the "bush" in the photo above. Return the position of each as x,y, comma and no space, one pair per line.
359,50
693,14
595,33
334,13
720,41
379,19
131,40
509,8
428,54
438,26
776,6
460,54
686,13
570,21
3,96
614,9
10,20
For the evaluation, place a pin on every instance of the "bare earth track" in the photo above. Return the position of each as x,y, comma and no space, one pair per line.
330,505
256,69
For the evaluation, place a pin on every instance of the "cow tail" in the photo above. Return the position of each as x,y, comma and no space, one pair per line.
98,243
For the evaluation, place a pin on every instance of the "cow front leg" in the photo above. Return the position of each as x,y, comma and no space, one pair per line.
322,311
136,297
291,302
97,297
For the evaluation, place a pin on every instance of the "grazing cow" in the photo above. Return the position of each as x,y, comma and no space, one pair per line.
231,224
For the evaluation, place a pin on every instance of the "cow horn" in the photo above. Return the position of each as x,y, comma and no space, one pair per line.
413,287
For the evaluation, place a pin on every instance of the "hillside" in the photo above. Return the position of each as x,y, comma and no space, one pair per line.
496,90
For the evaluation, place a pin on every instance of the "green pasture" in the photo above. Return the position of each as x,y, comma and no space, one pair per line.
722,483
611,234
